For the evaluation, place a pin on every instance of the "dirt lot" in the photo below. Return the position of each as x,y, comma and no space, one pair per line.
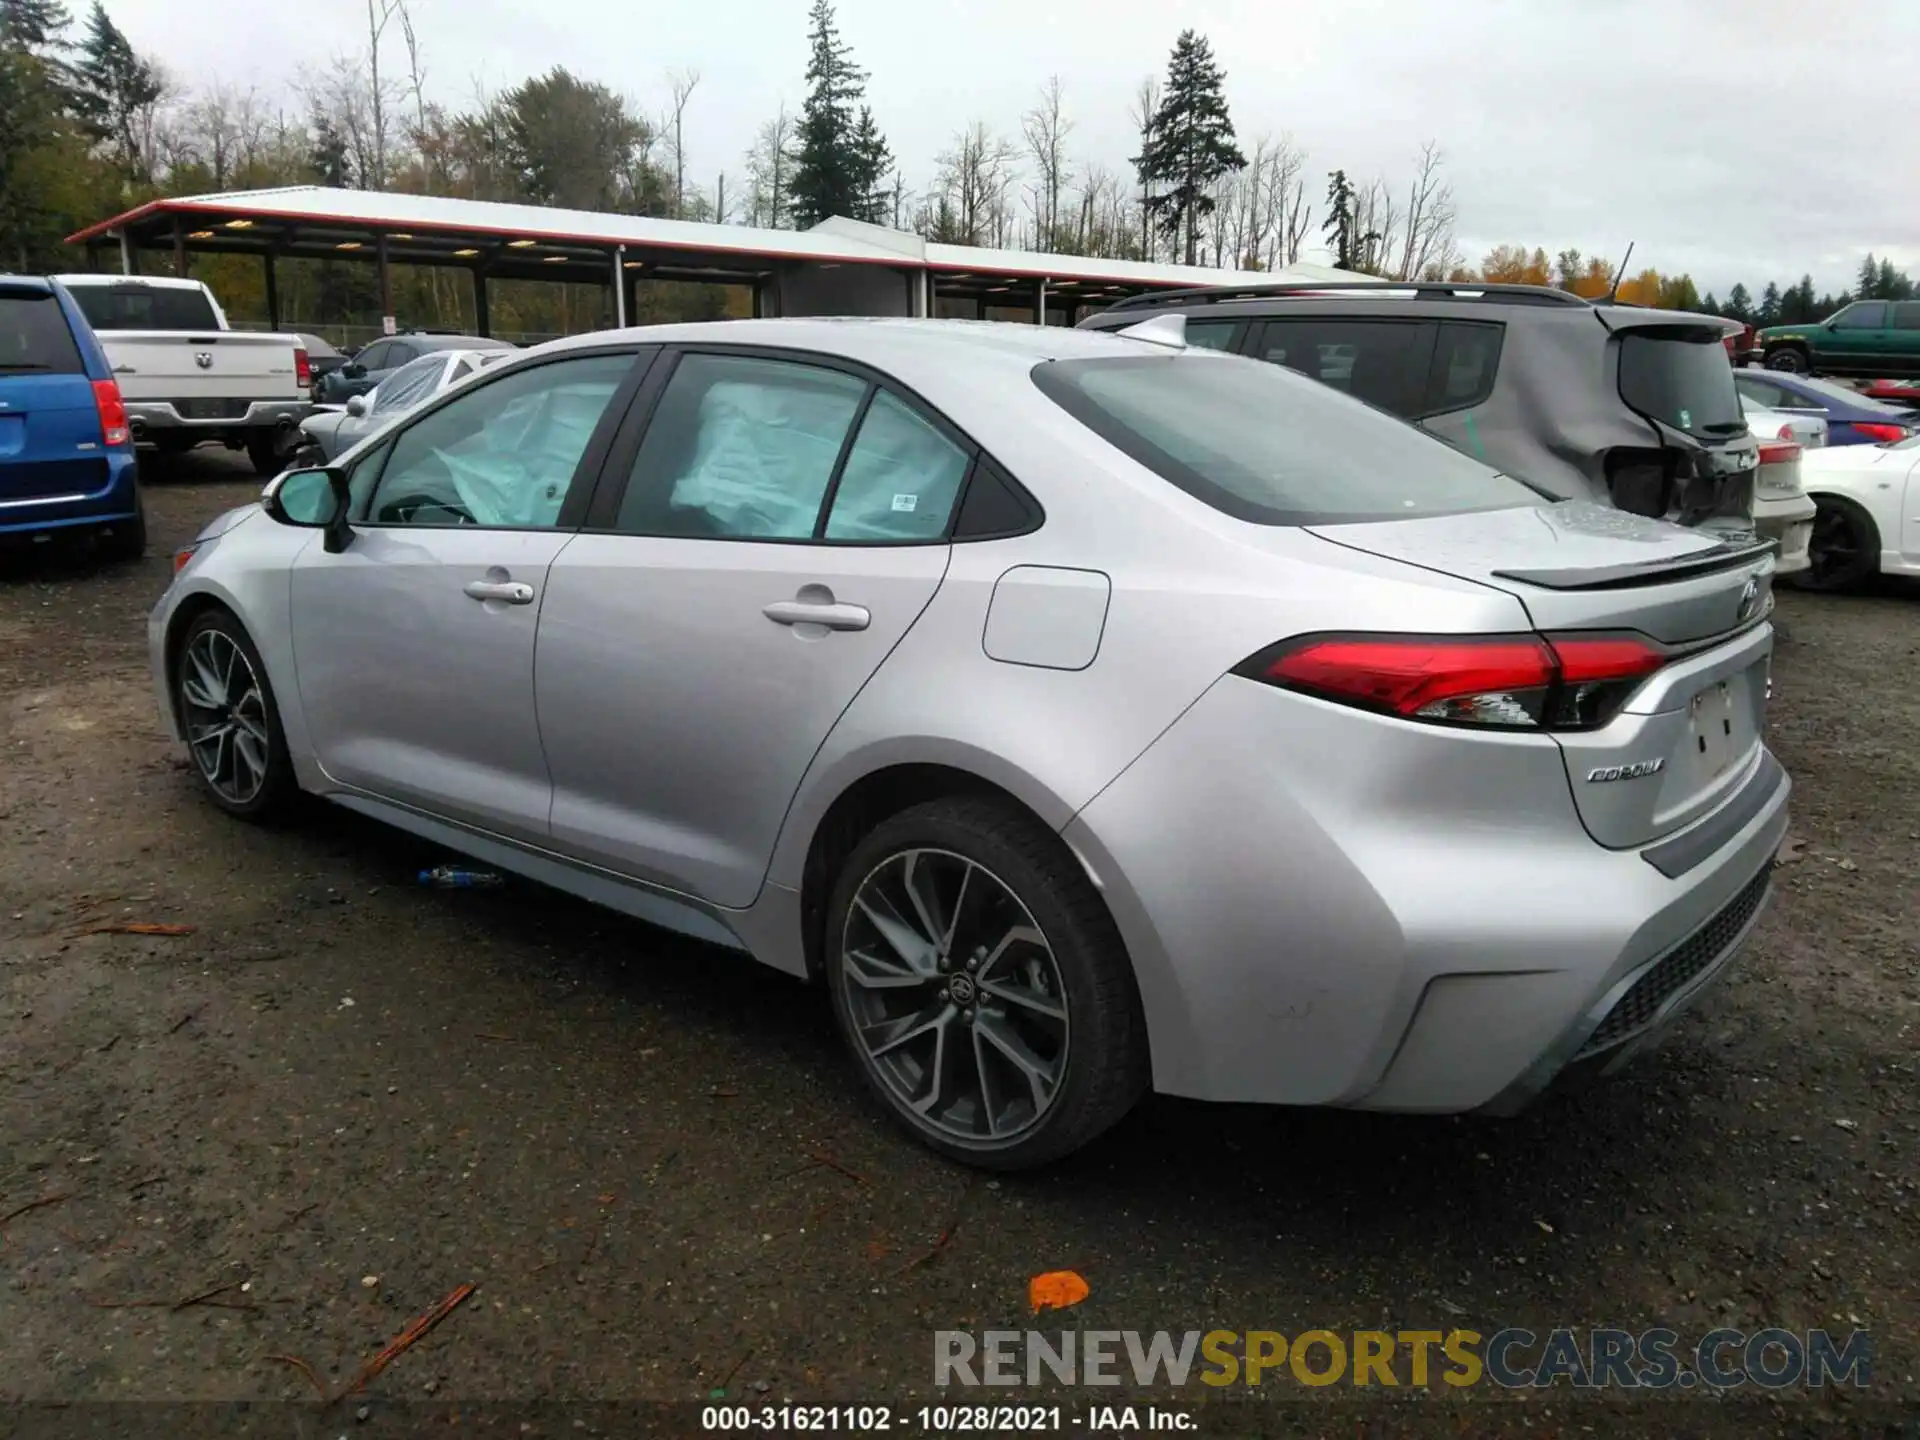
356,1096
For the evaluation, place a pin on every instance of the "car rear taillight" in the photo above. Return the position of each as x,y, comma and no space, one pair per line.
113,412
1882,434
1779,452
1501,682
302,370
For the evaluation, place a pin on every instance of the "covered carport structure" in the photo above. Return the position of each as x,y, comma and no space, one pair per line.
839,267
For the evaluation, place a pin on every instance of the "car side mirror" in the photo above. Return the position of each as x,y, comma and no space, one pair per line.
354,370
315,499
356,405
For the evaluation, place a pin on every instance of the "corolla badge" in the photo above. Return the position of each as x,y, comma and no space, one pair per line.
1749,598
203,358
1633,771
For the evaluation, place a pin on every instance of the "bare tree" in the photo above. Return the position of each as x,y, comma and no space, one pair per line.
1045,128
379,13
1145,105
1427,237
683,83
769,164
1376,223
969,204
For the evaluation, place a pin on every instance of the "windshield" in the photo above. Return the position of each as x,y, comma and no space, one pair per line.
1831,391
145,307
1263,444
1682,380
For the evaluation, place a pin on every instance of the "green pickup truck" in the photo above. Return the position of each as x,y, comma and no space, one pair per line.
1870,338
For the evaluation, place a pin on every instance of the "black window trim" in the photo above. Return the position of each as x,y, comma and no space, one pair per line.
586,471
603,510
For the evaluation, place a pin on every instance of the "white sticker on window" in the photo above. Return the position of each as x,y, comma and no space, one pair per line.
905,502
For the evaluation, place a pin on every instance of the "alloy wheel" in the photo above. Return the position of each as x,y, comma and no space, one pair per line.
225,711
955,996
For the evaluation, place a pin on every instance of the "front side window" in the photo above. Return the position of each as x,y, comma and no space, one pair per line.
1264,446
408,386
502,455
374,357
900,480
1681,378
1867,315
741,448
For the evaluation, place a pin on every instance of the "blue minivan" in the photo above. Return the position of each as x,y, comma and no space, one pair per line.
66,456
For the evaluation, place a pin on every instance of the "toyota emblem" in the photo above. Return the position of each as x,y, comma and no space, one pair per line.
203,358
1749,597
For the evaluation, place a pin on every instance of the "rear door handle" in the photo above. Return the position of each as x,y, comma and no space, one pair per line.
514,592
832,615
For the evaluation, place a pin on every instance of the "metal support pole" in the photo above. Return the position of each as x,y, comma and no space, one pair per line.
619,287
386,284
481,323
980,307
273,291
179,248
1040,302
128,266
759,299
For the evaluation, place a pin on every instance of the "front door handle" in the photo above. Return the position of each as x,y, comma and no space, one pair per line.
827,613
514,592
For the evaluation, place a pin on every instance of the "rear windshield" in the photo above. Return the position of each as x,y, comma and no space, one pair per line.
1266,445
34,337
1683,381
145,307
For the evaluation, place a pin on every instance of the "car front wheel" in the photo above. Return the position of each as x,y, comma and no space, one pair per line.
982,986
229,719
1789,361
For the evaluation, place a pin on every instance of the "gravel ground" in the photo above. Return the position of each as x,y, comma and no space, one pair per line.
356,1096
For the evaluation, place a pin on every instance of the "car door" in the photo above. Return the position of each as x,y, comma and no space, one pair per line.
778,529
1905,337
413,647
1856,340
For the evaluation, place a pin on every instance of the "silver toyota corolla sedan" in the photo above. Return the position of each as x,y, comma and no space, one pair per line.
1085,712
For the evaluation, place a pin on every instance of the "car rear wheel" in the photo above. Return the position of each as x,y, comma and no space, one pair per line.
230,721
126,539
1844,550
263,449
982,986
1789,360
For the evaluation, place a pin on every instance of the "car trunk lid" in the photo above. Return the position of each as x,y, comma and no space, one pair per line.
1690,735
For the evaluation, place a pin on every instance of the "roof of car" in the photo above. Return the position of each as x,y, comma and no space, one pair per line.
157,282
37,283
857,338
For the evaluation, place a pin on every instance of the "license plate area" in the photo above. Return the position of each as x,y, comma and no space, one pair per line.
1718,728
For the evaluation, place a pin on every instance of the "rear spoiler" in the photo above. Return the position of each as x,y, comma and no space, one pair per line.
1728,555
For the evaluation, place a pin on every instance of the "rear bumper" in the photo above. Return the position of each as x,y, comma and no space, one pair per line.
1788,522
1323,908
152,415
116,500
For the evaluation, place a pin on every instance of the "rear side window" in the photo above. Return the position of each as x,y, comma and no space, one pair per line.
1683,380
900,478
145,307
1260,445
1383,362
1466,356
1211,334
34,336
1906,315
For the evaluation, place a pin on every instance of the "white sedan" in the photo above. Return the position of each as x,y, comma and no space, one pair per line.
332,430
1808,430
1867,520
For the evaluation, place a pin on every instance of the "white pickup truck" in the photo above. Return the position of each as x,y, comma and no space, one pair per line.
187,376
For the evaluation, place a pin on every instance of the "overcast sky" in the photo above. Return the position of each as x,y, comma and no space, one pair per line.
1703,130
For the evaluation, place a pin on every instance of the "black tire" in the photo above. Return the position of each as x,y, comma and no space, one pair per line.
1790,360
1844,550
126,540
263,449
277,790
1102,1054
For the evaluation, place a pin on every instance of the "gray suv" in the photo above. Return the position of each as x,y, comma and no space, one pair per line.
1628,406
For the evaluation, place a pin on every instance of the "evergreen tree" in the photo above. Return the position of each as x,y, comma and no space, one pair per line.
1739,303
1892,284
329,156
1710,305
841,155
1190,145
1868,284
43,155
32,25
1769,311
1338,226
116,86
